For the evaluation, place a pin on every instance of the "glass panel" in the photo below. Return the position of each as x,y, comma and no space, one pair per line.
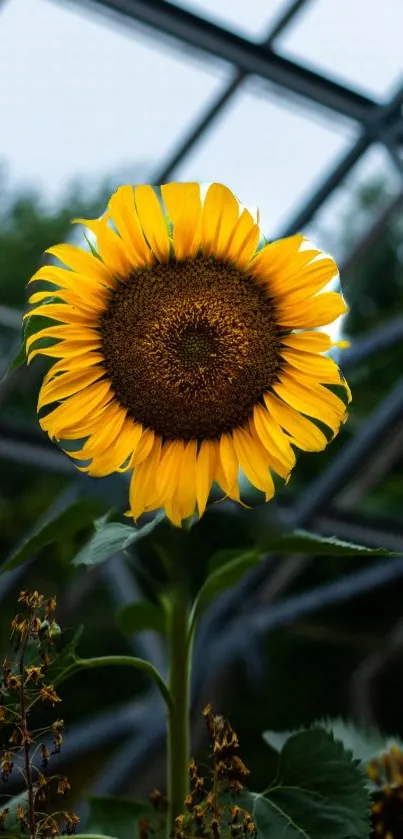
84,99
269,155
359,42
374,179
250,19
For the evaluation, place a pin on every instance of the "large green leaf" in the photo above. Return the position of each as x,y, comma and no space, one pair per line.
30,325
319,791
311,544
118,817
112,537
136,617
63,524
363,743
227,568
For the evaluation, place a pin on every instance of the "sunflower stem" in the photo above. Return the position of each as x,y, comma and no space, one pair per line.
178,739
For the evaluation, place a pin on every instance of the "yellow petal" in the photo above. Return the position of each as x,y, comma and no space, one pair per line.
274,463
315,311
243,240
84,427
69,350
116,458
184,208
123,212
67,279
168,470
308,341
64,313
185,497
254,462
91,302
66,384
322,369
143,492
306,282
75,333
230,491
305,434
152,221
143,448
272,437
205,468
230,465
75,364
83,262
220,214
109,245
172,512
105,432
315,401
76,409
279,255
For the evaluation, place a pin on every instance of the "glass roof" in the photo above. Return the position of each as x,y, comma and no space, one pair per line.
374,168
89,99
276,154
250,19
358,42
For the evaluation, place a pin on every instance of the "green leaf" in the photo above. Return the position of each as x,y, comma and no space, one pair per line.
30,325
118,817
227,568
18,361
63,524
93,836
364,744
311,544
319,791
112,537
139,616
277,739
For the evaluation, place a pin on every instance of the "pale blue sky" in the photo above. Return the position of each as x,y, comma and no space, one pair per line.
82,96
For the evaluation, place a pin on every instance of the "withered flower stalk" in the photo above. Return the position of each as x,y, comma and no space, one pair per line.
23,686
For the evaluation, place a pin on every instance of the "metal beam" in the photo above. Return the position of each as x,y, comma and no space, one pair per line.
384,119
251,58
207,118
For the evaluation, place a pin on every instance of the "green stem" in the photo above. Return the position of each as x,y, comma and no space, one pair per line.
119,661
178,742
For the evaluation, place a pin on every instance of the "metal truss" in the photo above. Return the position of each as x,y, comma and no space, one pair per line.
377,122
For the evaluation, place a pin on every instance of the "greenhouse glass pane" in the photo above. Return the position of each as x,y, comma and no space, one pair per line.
269,154
359,42
337,226
250,19
86,99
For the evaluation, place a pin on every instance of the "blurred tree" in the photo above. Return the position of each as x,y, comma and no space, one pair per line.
28,227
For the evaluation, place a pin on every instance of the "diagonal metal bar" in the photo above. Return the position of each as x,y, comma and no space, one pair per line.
379,339
353,455
377,129
202,35
207,118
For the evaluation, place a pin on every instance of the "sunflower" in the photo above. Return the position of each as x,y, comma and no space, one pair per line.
185,350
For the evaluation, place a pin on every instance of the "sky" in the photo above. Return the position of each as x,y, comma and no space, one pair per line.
84,97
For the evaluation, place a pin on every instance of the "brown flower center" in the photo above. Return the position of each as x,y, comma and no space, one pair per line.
190,347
